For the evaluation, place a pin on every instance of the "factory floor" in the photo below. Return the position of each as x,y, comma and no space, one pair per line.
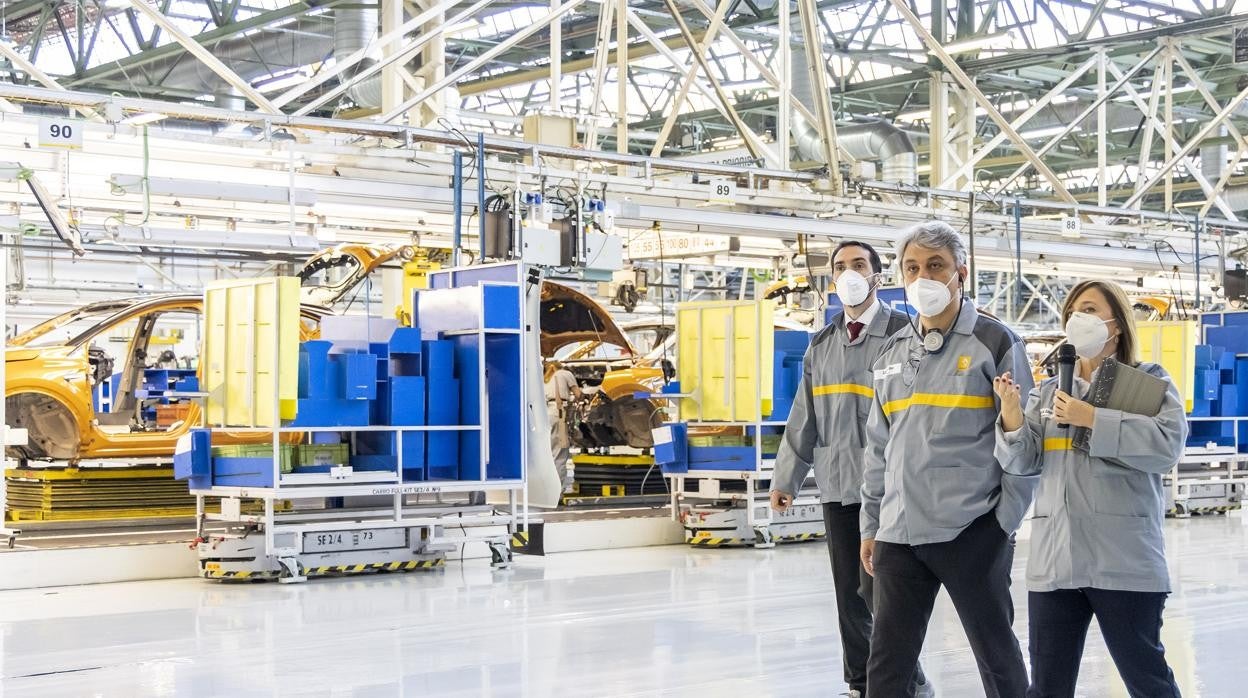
643,621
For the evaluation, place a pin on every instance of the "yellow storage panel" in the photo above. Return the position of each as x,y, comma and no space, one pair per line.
724,359
251,351
1172,343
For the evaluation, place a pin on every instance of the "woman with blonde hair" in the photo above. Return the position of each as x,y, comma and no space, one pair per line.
1097,548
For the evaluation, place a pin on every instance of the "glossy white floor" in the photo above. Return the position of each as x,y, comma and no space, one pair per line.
643,621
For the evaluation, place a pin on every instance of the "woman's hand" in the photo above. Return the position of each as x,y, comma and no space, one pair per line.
1068,410
1011,401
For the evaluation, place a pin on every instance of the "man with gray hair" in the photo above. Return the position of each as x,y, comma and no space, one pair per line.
937,508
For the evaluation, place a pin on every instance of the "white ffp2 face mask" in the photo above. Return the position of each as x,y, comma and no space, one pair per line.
929,297
1088,334
852,288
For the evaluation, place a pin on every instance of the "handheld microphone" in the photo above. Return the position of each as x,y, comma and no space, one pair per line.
1066,358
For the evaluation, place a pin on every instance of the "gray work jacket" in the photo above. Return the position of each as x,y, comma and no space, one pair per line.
1098,516
825,427
931,467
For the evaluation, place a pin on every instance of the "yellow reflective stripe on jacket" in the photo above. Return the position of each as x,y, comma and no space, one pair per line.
966,402
1057,444
843,388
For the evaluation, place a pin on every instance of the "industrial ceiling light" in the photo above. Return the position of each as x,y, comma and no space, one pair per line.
150,117
10,171
977,43
216,191
249,241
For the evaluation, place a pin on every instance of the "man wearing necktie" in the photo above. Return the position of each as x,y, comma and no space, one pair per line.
825,433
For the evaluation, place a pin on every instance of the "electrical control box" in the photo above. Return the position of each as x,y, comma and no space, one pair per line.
603,251
541,246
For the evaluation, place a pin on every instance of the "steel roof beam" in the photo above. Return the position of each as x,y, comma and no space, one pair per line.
967,84
139,60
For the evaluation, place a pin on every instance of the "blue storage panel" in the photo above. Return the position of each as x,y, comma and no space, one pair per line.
242,472
331,413
1233,339
438,359
314,375
505,407
356,374
467,358
442,408
407,408
406,340
671,448
790,349
407,401
1228,401
502,307
192,459
721,458
1208,383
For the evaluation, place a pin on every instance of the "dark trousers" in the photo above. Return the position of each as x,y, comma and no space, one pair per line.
854,589
1130,623
975,569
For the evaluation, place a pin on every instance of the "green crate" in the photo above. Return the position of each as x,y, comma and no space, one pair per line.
322,454
771,443
257,451
720,441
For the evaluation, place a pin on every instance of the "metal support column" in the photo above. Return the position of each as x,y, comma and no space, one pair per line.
1168,83
786,89
621,77
1102,128
826,124
1198,227
392,88
457,206
1018,260
481,194
556,59
6,533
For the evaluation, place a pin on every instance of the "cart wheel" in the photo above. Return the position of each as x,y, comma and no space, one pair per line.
763,538
500,556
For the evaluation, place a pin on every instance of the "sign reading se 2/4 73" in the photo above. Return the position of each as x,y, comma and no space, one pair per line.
60,133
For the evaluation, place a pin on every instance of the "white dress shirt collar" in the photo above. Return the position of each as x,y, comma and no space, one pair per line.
867,316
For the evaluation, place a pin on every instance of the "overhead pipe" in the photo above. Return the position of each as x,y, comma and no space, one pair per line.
457,205
355,28
879,140
481,193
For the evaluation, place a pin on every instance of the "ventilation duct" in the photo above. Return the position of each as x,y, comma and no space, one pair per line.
355,28
874,141
1213,164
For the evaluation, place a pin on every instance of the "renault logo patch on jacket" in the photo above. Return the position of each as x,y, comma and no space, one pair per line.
825,427
930,467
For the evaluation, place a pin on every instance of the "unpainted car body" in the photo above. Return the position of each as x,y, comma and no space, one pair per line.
52,372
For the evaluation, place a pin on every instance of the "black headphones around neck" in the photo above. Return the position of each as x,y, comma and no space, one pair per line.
934,339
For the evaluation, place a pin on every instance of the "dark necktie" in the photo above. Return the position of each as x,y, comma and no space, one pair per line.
855,329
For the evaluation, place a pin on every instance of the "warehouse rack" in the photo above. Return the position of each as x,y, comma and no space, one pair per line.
720,507
1209,480
715,513
368,521
1214,478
